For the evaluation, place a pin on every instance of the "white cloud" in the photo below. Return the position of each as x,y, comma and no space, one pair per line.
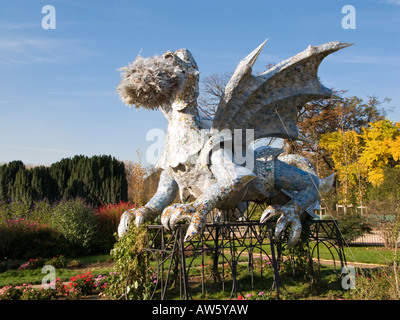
28,51
18,26
95,93
395,2
26,148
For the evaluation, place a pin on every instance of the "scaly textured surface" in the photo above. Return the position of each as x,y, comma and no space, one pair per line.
203,162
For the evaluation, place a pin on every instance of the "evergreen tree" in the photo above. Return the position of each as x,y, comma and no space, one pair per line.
60,172
43,185
8,173
99,179
3,183
22,188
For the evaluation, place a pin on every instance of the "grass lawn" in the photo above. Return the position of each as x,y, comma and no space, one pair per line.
98,264
362,254
374,255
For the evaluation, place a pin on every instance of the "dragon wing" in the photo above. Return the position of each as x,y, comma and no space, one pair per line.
269,102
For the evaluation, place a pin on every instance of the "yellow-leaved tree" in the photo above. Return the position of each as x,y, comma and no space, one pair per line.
360,159
381,149
345,148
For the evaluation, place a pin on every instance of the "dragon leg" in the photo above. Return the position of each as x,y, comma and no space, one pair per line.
197,211
306,186
165,195
230,179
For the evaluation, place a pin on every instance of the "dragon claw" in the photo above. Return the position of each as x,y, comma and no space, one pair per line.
268,214
124,222
140,215
191,232
173,214
195,227
289,218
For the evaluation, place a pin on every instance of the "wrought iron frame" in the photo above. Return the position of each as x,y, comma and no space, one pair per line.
229,242
327,233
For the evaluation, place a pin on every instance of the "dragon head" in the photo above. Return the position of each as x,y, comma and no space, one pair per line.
158,81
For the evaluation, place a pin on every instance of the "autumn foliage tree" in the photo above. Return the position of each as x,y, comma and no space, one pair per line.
344,148
325,116
381,149
135,175
361,159
142,181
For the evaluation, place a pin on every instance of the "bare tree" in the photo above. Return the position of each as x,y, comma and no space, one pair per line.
212,90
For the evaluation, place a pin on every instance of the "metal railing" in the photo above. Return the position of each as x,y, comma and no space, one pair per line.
214,257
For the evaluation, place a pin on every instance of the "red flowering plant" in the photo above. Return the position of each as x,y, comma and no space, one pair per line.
9,293
70,293
32,264
18,235
84,283
250,296
27,292
109,216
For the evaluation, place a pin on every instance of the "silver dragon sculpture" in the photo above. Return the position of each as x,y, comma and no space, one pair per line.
213,161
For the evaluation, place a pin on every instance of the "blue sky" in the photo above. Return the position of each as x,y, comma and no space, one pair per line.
57,86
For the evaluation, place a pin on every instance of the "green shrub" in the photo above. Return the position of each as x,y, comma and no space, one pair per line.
9,264
375,284
131,273
25,231
77,224
15,210
40,229
41,210
58,261
22,238
10,293
352,226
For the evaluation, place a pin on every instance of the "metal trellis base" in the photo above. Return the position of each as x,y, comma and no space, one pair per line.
213,259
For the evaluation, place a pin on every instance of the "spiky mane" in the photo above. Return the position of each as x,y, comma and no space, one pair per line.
150,82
